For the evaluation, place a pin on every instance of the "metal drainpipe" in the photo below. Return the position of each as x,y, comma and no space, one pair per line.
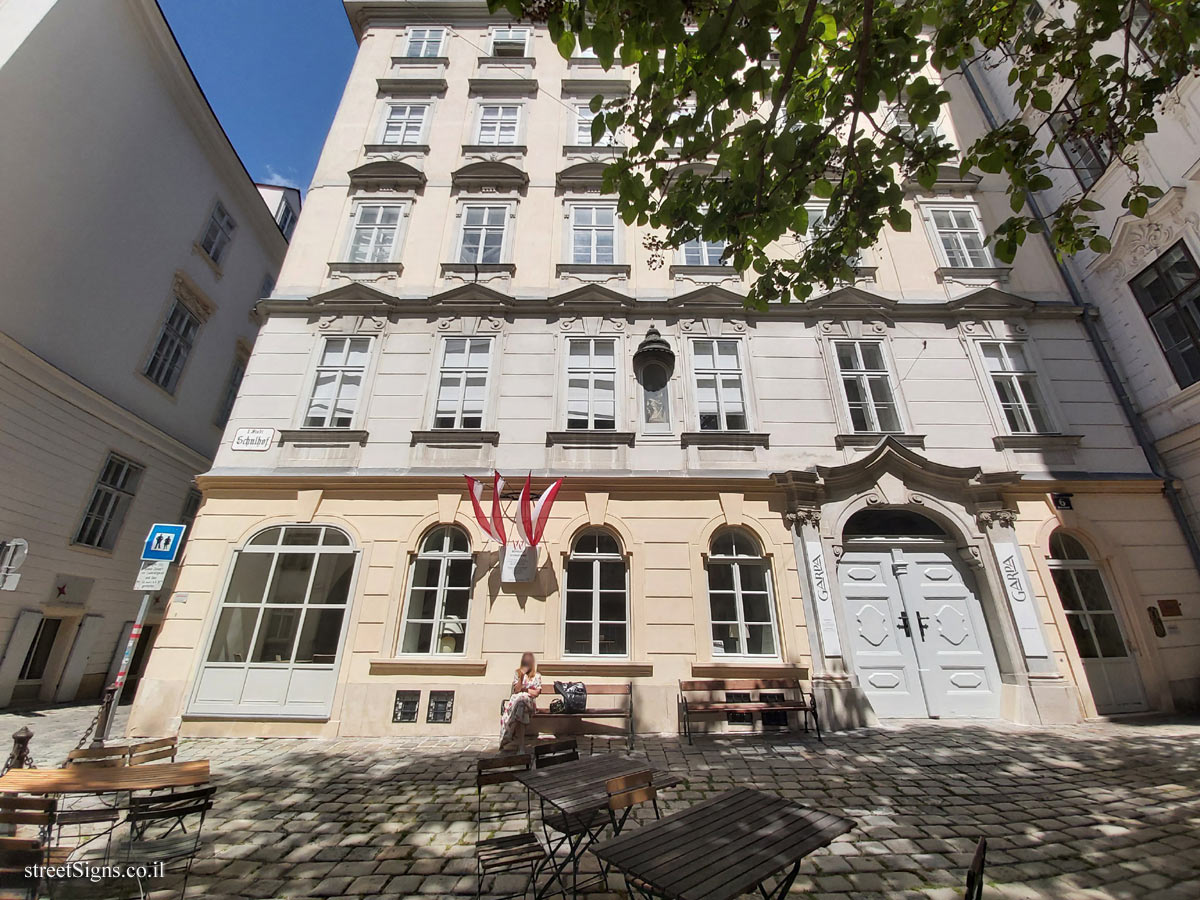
1136,422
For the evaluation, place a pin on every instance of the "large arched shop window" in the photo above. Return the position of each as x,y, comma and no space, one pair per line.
439,594
740,596
286,598
1085,599
596,619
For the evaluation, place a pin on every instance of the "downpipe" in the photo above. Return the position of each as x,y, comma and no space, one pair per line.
1140,431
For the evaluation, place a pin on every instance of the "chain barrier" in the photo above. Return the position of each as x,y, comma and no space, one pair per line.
20,758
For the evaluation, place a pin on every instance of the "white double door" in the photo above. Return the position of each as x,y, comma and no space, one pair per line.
918,638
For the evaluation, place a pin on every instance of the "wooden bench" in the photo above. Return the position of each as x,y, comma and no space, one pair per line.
803,702
621,711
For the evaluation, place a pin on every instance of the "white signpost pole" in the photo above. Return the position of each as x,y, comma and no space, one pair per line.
119,684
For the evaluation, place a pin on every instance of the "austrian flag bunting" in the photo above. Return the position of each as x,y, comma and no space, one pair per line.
531,519
495,528
532,515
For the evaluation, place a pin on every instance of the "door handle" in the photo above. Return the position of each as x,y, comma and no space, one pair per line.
923,624
903,624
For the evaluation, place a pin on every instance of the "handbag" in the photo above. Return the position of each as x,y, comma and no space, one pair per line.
574,694
557,707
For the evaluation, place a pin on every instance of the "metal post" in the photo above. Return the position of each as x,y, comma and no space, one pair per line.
19,758
119,685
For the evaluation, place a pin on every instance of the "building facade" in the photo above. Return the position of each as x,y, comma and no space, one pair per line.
134,246
917,492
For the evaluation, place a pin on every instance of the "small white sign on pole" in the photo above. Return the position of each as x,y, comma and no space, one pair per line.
520,563
257,439
151,575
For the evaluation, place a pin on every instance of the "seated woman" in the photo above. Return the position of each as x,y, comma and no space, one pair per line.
526,686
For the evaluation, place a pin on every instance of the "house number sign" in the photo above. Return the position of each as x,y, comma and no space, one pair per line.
1020,598
819,576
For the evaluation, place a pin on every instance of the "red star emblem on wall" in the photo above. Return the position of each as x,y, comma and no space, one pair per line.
62,590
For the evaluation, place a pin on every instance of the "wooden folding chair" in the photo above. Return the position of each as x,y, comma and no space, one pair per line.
975,872
627,791
152,751
510,852
554,753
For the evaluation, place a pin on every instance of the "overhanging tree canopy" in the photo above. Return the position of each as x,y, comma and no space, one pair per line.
798,102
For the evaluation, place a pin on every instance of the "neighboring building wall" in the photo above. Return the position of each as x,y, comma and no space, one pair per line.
121,164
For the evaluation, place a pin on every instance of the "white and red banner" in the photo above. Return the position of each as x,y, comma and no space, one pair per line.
520,550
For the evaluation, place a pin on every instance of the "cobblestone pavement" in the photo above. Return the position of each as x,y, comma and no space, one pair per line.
1101,810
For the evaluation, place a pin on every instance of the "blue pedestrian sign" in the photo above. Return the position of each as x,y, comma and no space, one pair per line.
163,542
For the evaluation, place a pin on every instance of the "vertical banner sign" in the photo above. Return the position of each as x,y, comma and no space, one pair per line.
1020,598
819,576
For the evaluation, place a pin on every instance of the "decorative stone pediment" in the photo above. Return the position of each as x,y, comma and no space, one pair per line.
591,295
387,174
853,300
355,298
190,294
489,174
1137,241
991,301
709,297
585,176
472,295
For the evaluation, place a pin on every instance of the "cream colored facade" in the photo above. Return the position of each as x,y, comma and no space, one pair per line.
114,166
401,350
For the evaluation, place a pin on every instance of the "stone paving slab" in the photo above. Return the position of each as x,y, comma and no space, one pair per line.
1101,811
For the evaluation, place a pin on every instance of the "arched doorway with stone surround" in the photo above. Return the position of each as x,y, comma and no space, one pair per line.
952,538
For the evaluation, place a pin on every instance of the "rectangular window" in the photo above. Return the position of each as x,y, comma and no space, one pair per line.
1141,30
498,124
376,227
702,253
961,238
218,234
583,129
720,398
114,491
232,386
172,348
462,384
286,220
405,124
867,386
1016,387
510,42
819,222
1168,291
483,231
338,384
591,384
593,234
1087,156
425,42
405,707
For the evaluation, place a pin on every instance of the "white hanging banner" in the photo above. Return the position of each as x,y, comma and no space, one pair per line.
1020,598
818,577
520,562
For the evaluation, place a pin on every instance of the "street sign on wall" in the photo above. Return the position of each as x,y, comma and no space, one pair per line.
163,542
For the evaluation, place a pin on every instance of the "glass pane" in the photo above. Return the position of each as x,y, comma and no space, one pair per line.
1066,589
722,607
459,574
1108,635
319,637
332,582
612,576
1063,546
270,536
458,541
579,606
335,538
720,575
456,604
301,537
612,606
753,578
612,640
422,604
578,639
725,639
1091,589
426,573
606,543
1083,636
756,608
231,641
704,354
334,350
276,635
872,356
290,582
249,578
418,638
760,639
579,574
452,638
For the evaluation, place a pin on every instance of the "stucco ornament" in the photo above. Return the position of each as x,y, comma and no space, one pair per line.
1005,518
803,515
1136,241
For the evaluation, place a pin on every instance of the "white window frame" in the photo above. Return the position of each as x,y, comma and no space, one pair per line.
572,210
705,250
173,347
735,563
718,374
422,127
439,616
1015,376
426,38
499,121
340,372
935,235
108,503
356,224
505,34
218,233
816,215
583,128
863,375
595,621
464,373
592,372
509,208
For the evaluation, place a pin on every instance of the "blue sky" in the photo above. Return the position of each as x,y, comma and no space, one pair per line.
273,71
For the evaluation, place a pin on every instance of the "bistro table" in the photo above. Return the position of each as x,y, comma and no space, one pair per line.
578,790
96,780
723,847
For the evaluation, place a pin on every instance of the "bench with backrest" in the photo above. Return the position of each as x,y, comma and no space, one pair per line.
800,700
620,707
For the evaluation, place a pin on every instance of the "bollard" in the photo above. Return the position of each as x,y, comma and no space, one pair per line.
106,710
20,758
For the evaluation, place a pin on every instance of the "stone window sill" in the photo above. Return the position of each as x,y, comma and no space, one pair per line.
748,669
508,87
599,84
416,149
398,87
357,268
505,61
596,667
704,271
584,270
428,665
323,436
724,439
1035,442
589,438
479,268
869,439
402,61
455,437
494,149
607,150
972,273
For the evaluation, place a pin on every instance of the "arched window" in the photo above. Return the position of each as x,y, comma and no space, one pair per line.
286,599
596,616
740,598
1085,599
439,594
